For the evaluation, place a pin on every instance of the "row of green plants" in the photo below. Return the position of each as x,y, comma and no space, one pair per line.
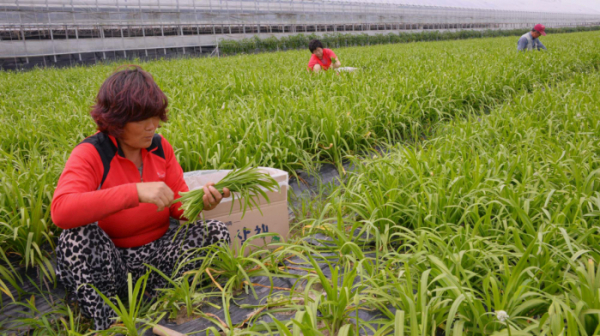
337,40
236,111
499,212
490,227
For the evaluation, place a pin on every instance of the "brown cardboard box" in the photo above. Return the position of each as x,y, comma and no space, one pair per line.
274,217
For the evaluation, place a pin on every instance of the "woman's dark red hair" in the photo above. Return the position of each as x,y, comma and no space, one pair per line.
128,95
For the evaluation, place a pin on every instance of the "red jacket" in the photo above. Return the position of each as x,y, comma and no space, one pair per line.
98,185
325,62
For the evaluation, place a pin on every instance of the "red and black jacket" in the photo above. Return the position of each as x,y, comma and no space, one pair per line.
98,185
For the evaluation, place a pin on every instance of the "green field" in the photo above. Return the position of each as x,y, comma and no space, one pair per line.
487,197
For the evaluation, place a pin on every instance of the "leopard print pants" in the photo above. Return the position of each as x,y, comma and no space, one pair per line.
86,255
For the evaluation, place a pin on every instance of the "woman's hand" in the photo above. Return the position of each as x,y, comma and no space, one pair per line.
156,193
212,197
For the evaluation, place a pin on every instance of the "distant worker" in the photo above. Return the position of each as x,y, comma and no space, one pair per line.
531,40
322,58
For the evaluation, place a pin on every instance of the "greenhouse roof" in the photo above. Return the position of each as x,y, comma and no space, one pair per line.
548,6
554,6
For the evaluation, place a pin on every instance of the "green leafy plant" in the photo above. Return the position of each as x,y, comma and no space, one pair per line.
237,266
340,299
180,296
128,319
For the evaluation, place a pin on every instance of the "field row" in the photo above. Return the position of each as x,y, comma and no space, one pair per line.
498,213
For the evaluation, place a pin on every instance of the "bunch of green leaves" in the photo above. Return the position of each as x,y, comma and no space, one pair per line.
247,183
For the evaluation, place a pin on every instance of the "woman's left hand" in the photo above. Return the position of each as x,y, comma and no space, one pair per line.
212,197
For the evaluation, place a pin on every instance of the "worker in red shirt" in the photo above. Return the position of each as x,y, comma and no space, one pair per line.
322,58
114,197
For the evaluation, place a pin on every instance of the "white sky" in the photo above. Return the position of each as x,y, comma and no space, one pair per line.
560,6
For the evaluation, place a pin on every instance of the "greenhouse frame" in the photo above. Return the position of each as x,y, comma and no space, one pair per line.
63,32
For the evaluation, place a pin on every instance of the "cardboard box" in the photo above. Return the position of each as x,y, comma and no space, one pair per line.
274,217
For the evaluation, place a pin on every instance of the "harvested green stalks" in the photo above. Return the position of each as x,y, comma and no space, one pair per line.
247,184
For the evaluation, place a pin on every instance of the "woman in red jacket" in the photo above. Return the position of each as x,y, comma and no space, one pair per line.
114,197
322,58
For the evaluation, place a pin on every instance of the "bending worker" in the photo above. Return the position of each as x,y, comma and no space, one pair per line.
531,40
322,58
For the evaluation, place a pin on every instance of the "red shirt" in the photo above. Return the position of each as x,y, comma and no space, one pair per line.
98,185
325,62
